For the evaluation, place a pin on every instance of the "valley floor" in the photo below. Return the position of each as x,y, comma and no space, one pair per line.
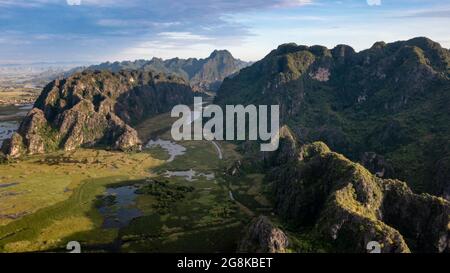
109,201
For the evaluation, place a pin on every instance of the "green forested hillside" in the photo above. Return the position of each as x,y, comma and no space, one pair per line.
386,106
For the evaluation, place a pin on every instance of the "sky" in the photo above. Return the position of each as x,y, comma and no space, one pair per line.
92,31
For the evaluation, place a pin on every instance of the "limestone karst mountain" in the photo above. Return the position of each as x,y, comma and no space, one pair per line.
263,237
96,108
320,190
386,107
203,74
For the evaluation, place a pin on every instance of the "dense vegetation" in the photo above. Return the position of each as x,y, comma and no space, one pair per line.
167,195
386,107
319,190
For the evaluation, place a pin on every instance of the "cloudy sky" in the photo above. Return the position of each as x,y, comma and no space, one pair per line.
90,31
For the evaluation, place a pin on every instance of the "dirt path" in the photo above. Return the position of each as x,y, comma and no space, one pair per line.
219,151
245,209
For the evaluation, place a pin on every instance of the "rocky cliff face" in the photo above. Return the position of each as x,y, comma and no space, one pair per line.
350,207
203,74
95,108
214,69
263,237
386,106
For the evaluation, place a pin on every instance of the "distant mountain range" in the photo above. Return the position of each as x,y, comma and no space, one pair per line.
34,75
203,74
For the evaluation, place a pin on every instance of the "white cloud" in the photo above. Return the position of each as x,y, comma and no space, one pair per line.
183,36
374,2
290,3
134,23
25,4
73,2
173,44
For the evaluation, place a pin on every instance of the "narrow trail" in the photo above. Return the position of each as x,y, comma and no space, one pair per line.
219,151
245,209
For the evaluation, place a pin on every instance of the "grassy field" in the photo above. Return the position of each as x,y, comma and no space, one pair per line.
18,95
47,201
56,194
40,181
207,220
12,113
251,191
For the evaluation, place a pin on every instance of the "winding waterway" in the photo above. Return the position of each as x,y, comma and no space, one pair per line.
172,148
10,117
119,208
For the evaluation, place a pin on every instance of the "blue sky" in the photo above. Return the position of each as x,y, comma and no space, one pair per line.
90,31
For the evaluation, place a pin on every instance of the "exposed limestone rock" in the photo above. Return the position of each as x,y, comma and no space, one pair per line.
391,99
96,108
377,165
128,140
321,75
351,207
263,237
14,146
31,138
235,169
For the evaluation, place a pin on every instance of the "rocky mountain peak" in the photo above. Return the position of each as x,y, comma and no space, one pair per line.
263,237
220,53
382,100
203,74
343,53
350,207
96,107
